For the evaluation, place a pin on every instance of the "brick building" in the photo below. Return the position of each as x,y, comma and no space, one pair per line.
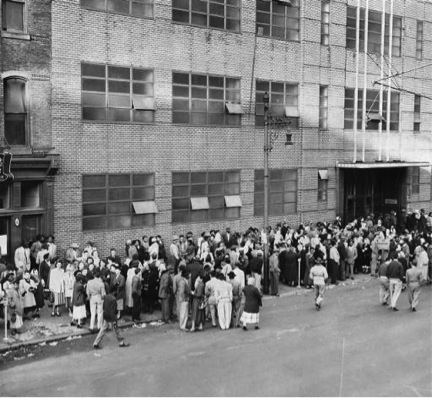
157,112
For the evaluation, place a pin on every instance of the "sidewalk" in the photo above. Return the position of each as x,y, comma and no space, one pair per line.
48,329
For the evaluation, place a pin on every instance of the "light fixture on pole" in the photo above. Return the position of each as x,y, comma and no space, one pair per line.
273,125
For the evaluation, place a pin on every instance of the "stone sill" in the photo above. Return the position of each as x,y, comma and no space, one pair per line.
15,35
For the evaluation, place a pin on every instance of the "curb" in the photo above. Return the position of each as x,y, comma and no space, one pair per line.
58,337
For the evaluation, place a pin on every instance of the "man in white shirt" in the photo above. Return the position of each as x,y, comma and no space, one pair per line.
210,289
318,274
334,262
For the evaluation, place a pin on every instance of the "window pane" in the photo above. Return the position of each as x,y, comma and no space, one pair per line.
93,85
180,216
143,179
30,194
94,210
118,115
180,204
119,180
94,223
143,220
198,178
93,70
13,18
118,6
119,221
142,10
198,190
199,215
94,100
93,4
119,194
119,208
94,114
143,193
180,191
216,176
14,91
94,195
118,86
15,129
143,116
180,16
93,181
232,212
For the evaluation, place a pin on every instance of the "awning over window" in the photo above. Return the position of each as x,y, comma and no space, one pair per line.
143,103
200,203
234,109
292,111
145,207
233,201
380,165
323,174
375,117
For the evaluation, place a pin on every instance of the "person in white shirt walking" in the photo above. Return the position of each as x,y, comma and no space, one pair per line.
224,296
318,274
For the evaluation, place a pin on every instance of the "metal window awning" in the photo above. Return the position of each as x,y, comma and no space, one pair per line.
234,109
201,203
292,111
145,207
233,201
375,117
380,165
323,174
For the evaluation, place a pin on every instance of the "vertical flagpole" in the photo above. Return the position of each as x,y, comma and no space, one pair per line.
356,79
381,96
389,73
366,36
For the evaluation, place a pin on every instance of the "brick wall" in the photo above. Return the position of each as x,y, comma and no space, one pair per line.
81,35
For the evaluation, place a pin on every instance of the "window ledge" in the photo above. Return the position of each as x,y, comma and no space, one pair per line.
15,35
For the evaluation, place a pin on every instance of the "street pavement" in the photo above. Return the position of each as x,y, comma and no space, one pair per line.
352,347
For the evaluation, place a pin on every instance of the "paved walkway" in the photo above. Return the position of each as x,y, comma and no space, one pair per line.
48,329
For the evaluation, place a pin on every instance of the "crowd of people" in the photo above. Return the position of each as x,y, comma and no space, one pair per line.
216,277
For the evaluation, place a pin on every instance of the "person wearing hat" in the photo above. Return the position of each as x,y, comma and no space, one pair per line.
72,253
237,292
174,254
318,274
395,274
274,272
252,303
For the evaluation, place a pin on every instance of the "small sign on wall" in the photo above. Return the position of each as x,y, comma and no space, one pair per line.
390,201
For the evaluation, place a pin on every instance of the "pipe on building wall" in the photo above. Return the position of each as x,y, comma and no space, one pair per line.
389,73
381,96
366,36
356,79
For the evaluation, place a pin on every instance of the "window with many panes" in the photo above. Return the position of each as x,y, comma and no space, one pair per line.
112,201
206,99
322,185
419,40
117,94
283,101
15,111
278,19
415,180
218,14
323,108
282,192
13,15
417,112
207,195
325,22
372,107
135,8
374,31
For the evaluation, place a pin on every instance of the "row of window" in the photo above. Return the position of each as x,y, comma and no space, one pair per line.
273,19
128,200
126,94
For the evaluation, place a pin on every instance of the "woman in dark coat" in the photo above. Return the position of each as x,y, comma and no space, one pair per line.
198,303
252,304
78,301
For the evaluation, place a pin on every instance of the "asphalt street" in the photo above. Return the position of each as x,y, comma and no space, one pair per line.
352,347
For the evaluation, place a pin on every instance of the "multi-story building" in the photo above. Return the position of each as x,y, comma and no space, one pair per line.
156,110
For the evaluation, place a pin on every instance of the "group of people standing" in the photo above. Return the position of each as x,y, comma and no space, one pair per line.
218,275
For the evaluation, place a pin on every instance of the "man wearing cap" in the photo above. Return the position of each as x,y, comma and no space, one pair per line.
174,254
318,274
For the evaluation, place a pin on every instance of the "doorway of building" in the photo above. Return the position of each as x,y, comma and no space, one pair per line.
31,226
378,190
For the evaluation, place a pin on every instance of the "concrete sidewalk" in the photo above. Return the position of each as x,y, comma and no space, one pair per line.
48,329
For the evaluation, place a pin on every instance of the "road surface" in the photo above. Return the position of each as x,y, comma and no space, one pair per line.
352,347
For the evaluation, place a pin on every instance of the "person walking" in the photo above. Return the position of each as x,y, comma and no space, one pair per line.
236,301
414,280
274,272
252,303
95,293
110,320
384,291
319,275
395,275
